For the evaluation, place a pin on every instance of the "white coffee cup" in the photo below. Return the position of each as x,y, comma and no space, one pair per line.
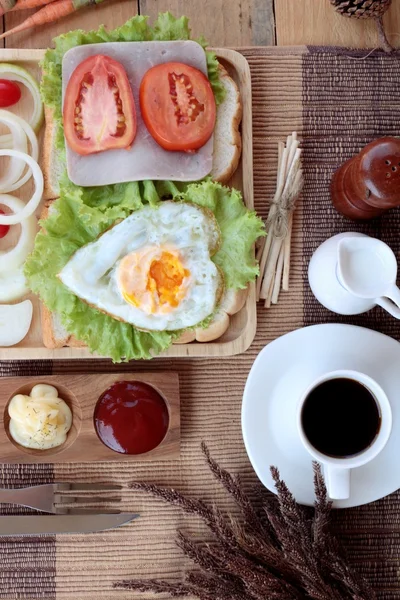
337,470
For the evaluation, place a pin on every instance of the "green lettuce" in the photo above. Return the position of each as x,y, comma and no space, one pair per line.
137,29
80,215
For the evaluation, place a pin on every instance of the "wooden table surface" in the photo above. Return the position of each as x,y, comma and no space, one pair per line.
227,22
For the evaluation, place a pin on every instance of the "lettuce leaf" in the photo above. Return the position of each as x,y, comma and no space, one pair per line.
240,228
81,214
136,29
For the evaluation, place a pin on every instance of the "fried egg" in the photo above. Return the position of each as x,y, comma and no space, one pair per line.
153,269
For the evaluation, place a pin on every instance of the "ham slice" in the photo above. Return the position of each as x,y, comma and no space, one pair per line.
145,159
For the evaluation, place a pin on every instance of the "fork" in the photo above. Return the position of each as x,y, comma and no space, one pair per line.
52,497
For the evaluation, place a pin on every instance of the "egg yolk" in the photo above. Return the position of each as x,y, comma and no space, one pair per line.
153,280
166,277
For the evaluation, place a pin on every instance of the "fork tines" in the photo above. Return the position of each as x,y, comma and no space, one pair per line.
86,487
62,499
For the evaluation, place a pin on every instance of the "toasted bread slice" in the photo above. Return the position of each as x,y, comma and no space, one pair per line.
51,164
227,138
53,332
227,141
232,302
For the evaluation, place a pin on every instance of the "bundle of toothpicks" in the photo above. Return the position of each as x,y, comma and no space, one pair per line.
274,253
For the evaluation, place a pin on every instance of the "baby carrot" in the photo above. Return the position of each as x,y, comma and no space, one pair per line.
25,4
6,5
50,13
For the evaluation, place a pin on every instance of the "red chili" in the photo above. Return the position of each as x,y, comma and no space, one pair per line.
131,417
4,229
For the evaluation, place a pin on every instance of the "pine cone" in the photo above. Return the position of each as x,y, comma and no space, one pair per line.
361,9
366,9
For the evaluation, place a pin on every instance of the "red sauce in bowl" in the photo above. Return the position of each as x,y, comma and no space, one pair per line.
131,417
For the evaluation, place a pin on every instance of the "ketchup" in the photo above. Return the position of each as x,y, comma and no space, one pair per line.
131,417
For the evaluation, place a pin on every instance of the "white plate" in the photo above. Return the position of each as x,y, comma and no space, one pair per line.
282,371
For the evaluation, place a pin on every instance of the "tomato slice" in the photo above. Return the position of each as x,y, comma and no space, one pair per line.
99,110
178,106
9,93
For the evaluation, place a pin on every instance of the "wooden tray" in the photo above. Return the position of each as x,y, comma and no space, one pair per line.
242,328
81,393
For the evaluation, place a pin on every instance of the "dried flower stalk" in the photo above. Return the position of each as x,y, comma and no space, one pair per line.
279,552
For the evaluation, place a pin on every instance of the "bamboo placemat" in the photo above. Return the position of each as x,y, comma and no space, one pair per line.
338,101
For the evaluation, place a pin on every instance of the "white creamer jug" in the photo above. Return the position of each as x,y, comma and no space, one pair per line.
350,273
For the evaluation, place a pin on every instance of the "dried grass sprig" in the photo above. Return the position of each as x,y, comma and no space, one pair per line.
274,251
282,552
233,485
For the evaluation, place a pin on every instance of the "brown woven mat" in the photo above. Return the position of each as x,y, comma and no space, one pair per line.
337,101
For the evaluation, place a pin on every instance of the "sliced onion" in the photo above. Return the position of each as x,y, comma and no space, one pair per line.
33,203
14,121
16,167
20,130
15,257
13,285
17,73
31,135
15,321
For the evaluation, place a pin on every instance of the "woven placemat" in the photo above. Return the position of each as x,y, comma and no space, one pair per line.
338,101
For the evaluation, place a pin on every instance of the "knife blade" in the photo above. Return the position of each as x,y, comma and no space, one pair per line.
16,525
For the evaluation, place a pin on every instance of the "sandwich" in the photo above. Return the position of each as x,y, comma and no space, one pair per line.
135,264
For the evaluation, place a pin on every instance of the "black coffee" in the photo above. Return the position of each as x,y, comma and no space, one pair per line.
340,417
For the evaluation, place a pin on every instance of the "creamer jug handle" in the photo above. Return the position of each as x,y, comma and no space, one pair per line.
391,301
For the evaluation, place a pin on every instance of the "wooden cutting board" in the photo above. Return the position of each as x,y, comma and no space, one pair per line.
81,393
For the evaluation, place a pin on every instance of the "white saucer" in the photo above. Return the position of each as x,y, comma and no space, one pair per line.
282,371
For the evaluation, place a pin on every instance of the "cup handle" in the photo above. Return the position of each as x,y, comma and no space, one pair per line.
391,301
337,482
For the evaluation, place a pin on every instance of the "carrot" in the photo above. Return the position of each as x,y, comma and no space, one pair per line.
50,13
25,4
6,5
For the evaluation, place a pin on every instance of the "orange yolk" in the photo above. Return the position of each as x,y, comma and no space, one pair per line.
166,277
153,279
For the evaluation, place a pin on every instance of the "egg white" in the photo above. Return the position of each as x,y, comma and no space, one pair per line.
91,273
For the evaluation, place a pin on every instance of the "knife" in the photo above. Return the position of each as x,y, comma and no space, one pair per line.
16,525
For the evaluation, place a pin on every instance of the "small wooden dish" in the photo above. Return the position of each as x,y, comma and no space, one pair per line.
81,392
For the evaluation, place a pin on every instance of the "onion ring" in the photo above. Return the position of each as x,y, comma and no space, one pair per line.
34,202
14,72
16,167
15,257
13,286
21,130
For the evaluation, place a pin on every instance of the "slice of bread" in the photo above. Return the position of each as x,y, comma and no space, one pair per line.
55,335
227,141
227,138
51,164
232,302
53,332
